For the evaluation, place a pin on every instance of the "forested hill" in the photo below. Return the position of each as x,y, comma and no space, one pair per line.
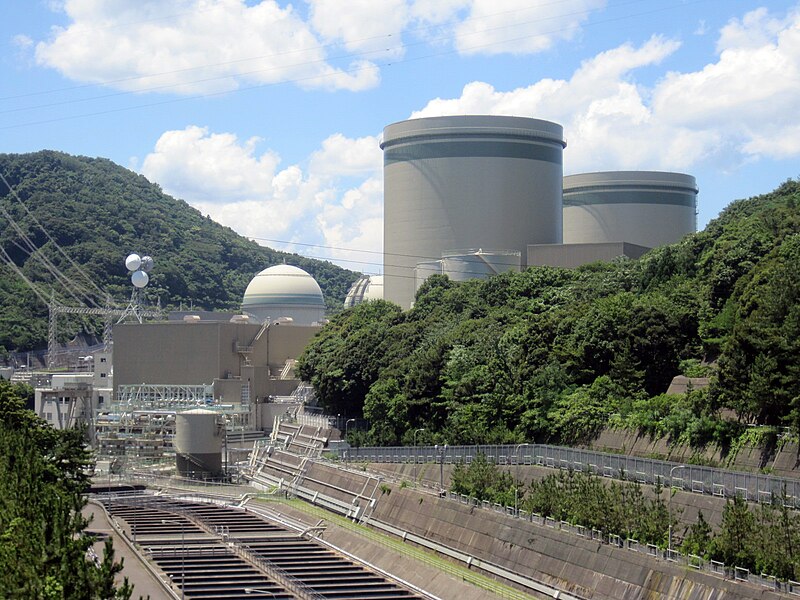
99,212
557,354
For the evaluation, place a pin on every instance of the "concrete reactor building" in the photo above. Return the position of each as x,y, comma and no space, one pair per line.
284,291
464,182
364,289
474,196
646,208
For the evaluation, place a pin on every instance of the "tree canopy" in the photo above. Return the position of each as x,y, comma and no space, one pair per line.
555,354
43,539
99,212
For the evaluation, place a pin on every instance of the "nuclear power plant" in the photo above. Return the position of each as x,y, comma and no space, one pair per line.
473,196
465,196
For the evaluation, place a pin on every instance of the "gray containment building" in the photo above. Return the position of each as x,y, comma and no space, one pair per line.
467,182
646,208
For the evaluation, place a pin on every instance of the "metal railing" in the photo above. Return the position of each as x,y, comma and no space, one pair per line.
690,561
753,487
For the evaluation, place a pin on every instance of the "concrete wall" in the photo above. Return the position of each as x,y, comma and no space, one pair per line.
585,567
582,566
783,461
176,352
574,255
288,341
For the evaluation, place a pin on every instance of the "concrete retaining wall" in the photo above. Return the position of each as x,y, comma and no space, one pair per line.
584,567
781,462
581,566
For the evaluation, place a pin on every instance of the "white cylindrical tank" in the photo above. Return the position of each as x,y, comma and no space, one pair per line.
479,264
424,269
648,208
467,182
198,443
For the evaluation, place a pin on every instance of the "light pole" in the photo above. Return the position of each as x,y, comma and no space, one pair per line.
669,510
183,553
516,483
442,453
416,431
346,425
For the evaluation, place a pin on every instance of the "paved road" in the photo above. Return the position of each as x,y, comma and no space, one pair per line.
145,583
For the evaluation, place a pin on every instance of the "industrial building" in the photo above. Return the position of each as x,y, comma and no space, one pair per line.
646,208
473,196
184,385
463,182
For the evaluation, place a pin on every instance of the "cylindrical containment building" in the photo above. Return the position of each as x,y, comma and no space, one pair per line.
648,208
198,443
467,182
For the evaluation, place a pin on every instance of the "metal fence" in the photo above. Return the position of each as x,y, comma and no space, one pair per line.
753,487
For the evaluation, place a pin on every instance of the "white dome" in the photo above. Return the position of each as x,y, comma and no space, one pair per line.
367,287
284,291
375,288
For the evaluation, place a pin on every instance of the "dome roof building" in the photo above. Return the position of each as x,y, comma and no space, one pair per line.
367,287
281,292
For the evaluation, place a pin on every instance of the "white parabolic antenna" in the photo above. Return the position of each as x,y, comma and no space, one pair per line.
133,262
147,263
139,279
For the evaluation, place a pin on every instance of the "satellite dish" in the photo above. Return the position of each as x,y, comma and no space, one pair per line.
133,262
147,263
140,278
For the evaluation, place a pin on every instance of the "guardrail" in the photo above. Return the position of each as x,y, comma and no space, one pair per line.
699,479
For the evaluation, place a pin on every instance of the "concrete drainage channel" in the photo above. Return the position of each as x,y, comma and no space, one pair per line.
214,551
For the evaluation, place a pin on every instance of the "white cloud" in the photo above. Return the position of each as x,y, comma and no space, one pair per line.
229,179
214,46
186,47
362,25
520,26
742,106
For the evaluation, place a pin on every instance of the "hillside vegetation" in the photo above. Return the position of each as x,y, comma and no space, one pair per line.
99,212
558,354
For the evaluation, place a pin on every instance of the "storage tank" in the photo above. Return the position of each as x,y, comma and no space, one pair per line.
479,264
648,208
467,182
424,269
198,443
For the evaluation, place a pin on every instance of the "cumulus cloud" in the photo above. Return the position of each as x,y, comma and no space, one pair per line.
213,46
186,47
741,106
362,25
251,192
520,26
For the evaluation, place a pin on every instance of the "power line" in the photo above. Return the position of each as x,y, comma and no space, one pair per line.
74,288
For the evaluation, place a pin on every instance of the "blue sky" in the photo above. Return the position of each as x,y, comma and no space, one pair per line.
267,115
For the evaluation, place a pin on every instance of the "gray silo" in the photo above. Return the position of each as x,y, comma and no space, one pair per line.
466,182
648,208
198,443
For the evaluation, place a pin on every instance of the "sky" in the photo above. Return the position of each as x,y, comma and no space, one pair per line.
268,115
